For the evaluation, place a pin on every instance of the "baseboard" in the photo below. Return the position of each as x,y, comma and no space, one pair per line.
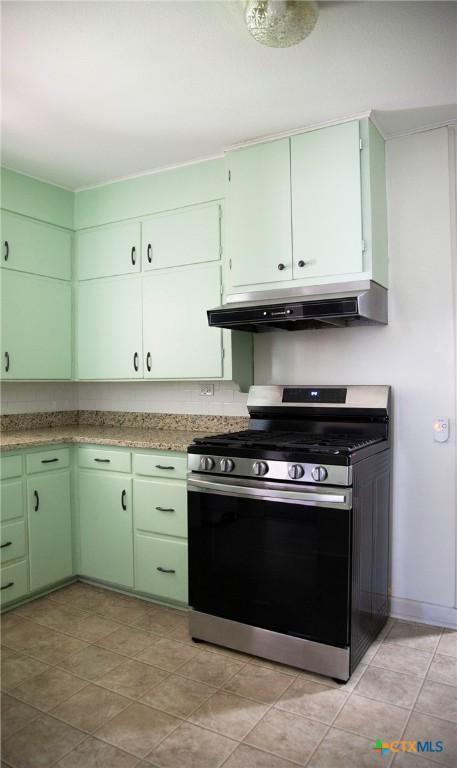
423,613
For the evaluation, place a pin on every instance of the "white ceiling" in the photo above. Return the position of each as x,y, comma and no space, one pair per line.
94,91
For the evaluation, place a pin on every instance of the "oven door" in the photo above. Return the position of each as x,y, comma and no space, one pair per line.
271,556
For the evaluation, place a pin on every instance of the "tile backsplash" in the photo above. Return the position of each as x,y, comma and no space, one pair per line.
137,396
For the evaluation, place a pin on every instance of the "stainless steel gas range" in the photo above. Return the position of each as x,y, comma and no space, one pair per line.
289,527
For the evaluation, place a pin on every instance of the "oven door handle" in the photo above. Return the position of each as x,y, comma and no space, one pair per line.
277,494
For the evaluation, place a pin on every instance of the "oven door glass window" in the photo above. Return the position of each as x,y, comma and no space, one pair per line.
279,566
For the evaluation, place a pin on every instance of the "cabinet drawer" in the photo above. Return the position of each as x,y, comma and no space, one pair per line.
13,582
161,567
46,460
10,466
99,458
167,464
12,541
12,499
160,506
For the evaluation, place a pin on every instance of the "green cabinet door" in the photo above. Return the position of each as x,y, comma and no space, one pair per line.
32,246
36,327
108,329
178,343
326,202
105,251
49,517
258,228
105,519
185,236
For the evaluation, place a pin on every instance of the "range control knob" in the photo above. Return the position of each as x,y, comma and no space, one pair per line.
227,465
296,471
206,463
319,473
260,467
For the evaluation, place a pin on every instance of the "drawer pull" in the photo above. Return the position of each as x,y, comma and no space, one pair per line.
37,501
8,544
103,461
165,570
165,509
124,500
7,586
48,461
162,466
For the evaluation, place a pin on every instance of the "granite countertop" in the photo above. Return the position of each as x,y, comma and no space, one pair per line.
128,437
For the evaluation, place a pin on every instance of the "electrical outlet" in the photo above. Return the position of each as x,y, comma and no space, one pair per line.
207,389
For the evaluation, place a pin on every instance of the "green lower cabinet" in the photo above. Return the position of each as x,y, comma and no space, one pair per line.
105,519
11,499
161,567
14,582
12,541
160,506
49,520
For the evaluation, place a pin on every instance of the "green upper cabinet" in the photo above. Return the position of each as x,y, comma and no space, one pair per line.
49,518
36,327
258,227
106,251
326,202
109,330
35,247
313,205
186,236
178,343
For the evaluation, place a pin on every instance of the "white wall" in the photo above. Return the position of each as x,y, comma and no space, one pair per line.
170,397
415,353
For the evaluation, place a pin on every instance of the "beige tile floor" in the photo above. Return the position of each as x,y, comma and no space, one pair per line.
94,679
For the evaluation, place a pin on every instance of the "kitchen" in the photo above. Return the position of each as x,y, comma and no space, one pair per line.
120,231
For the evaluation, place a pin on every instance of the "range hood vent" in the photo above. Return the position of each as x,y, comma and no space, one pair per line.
325,306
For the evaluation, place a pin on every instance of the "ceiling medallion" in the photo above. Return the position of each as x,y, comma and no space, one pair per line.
280,23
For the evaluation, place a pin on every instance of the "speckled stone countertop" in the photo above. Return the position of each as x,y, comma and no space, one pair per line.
161,432
158,439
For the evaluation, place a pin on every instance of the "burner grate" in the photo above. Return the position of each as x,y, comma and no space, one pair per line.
301,441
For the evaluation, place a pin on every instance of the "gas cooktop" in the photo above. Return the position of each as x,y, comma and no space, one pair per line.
313,442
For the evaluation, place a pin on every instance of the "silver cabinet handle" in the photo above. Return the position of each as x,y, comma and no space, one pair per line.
165,570
165,509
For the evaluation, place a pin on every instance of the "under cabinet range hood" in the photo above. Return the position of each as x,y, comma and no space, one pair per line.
297,309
